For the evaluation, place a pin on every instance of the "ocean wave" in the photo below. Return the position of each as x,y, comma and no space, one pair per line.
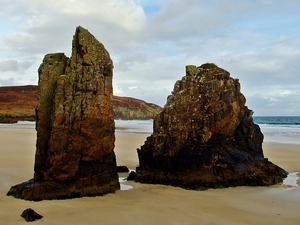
277,120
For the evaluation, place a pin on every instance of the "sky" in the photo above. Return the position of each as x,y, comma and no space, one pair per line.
151,42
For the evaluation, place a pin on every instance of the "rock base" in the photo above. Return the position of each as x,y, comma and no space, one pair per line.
191,174
48,190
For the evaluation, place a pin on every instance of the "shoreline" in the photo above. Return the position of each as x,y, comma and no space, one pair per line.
148,203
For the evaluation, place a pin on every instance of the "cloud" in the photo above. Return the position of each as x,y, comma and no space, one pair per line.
7,82
129,60
150,42
53,22
14,65
280,105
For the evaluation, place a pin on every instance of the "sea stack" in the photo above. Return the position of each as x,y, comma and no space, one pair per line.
205,137
75,125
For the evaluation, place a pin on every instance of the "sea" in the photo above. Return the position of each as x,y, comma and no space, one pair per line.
134,126
280,129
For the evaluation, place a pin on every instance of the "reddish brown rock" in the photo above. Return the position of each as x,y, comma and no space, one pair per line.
30,215
75,125
122,169
205,137
131,175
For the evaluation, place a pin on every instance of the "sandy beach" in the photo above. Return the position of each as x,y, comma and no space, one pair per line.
148,204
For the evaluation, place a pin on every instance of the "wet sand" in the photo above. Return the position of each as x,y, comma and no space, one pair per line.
148,204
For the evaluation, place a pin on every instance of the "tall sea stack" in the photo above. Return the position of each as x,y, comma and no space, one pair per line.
75,125
205,137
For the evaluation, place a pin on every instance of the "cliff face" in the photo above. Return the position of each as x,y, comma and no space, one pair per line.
19,103
130,109
75,125
205,137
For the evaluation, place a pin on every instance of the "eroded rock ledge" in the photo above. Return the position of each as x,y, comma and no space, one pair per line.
205,137
75,125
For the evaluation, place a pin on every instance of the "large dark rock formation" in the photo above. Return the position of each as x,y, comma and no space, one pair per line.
75,125
205,137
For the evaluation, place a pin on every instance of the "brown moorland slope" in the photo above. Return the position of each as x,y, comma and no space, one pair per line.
128,108
19,102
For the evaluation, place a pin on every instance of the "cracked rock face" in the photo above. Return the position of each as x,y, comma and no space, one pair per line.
75,125
205,137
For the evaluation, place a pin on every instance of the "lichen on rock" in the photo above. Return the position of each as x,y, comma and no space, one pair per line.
75,125
205,136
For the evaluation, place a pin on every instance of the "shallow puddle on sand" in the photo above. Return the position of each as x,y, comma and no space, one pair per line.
124,187
292,180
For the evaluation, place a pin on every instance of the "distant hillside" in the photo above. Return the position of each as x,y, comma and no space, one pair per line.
19,102
131,108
